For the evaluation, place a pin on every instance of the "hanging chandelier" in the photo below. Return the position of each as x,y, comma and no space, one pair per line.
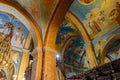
5,44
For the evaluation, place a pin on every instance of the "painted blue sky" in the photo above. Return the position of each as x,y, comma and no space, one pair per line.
5,18
19,24
80,10
78,42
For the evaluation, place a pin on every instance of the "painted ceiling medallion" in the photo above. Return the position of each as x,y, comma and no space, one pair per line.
86,2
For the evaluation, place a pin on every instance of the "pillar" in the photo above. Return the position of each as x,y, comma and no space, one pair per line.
37,64
49,72
90,55
59,74
25,58
49,64
23,65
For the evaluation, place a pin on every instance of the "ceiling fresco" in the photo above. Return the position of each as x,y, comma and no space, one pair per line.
101,20
31,6
74,52
113,51
40,10
100,42
13,28
48,6
13,35
66,30
97,15
46,9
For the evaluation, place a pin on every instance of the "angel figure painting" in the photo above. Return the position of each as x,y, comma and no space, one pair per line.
99,16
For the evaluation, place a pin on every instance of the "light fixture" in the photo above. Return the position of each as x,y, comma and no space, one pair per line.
57,56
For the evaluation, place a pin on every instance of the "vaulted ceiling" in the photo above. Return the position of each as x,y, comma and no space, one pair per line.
99,18
41,10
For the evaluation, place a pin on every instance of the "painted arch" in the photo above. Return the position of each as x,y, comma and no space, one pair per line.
16,26
111,49
71,46
97,15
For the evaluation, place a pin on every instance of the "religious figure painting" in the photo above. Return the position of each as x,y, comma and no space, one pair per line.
76,51
12,28
101,42
64,33
13,36
15,57
100,18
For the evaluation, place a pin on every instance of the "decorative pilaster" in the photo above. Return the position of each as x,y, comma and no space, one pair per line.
90,55
23,65
24,58
37,64
49,64
60,75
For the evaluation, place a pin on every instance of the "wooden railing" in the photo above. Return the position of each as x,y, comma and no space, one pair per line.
108,71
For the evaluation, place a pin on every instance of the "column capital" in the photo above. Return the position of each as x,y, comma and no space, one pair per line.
35,51
37,63
49,72
50,50
88,43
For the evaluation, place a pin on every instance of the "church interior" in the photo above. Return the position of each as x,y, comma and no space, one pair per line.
59,39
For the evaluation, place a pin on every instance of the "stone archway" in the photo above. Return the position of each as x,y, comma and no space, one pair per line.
20,13
84,34
105,47
50,39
